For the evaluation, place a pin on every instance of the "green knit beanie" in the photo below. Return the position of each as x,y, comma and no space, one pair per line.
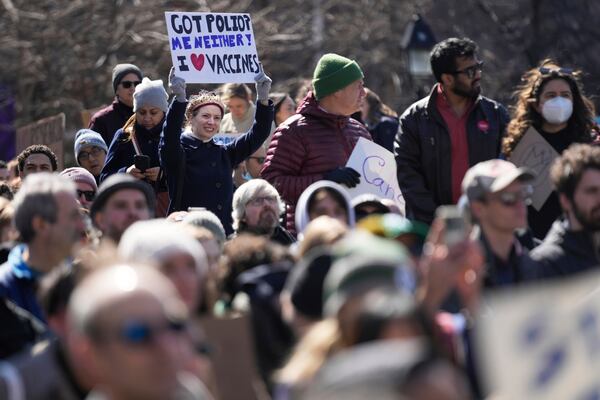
334,72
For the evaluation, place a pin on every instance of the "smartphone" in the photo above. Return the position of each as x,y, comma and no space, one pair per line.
455,223
141,162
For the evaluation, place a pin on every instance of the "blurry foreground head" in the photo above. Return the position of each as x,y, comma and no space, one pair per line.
173,249
130,322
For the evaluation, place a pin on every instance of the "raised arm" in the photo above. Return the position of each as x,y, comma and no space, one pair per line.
170,150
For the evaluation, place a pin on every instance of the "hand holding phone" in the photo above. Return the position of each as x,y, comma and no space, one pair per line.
141,162
456,227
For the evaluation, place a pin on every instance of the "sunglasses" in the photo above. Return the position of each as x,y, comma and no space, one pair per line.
88,194
94,152
259,159
510,199
127,84
549,71
139,333
471,71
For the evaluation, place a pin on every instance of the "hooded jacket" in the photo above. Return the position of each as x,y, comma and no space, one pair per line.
565,252
302,217
305,147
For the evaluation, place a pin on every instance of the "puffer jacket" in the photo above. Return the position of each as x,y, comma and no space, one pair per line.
305,147
424,152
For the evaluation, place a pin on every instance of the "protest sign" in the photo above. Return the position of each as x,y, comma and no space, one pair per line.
535,153
49,131
212,47
377,169
542,342
233,357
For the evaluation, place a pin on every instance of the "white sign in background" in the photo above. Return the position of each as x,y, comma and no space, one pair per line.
212,47
542,342
377,168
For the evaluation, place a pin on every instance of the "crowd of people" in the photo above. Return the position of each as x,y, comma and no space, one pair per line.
115,271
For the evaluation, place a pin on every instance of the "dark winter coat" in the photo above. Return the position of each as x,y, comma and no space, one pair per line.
423,151
110,119
305,147
565,252
121,153
207,177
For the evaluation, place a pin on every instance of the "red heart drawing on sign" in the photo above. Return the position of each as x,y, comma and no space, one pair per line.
198,61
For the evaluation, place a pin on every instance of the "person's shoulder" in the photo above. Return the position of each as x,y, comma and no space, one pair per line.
416,109
491,103
103,112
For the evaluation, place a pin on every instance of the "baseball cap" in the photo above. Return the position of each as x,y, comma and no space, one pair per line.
492,176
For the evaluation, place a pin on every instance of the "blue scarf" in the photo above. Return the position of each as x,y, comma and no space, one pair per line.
20,269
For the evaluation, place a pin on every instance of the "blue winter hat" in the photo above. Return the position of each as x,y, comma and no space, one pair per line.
85,138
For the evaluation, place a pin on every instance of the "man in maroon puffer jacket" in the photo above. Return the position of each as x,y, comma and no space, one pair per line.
316,143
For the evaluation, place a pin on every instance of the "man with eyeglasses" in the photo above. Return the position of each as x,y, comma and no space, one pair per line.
256,210
130,326
90,151
572,245
125,77
498,193
445,133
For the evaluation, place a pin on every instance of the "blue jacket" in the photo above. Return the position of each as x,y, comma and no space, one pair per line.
207,180
121,151
18,283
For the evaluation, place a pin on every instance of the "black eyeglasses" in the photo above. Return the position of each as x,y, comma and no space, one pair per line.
471,71
88,194
94,151
127,84
259,159
509,199
550,71
140,333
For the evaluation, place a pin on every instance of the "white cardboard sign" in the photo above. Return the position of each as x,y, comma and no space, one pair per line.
212,47
377,168
543,342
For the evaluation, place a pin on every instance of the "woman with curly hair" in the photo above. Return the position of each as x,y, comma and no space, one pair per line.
198,169
550,100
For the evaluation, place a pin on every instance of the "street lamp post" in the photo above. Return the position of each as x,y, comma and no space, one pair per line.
417,42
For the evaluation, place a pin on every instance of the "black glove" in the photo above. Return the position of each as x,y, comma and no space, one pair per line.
344,175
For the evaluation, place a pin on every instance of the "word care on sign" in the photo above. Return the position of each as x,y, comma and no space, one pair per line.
212,48
543,342
377,169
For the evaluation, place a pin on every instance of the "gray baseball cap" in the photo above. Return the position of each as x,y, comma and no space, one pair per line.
492,176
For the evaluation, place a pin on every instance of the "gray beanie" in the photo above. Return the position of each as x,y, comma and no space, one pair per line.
88,137
120,70
150,93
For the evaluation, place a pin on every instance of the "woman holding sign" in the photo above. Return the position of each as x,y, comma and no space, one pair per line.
551,101
198,169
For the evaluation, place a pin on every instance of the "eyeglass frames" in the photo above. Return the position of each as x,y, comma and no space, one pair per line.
471,71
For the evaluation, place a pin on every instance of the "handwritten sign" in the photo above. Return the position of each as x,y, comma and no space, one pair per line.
212,47
377,168
534,152
49,131
542,342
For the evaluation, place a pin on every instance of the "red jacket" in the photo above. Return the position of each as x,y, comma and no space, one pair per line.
305,147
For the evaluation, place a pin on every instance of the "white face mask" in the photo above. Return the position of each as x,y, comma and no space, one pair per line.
557,110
